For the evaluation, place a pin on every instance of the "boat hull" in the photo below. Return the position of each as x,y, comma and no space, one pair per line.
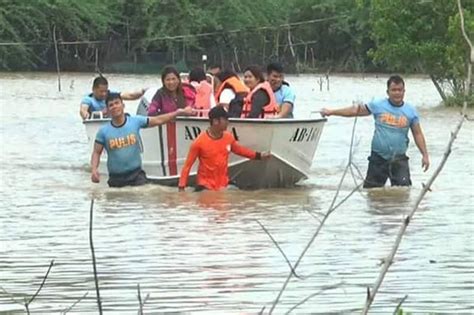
292,142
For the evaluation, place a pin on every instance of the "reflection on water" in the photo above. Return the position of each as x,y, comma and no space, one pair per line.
205,252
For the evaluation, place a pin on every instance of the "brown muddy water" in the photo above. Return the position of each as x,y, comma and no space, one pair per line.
205,252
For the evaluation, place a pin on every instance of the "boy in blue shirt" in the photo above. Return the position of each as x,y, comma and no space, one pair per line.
95,102
393,118
284,95
121,139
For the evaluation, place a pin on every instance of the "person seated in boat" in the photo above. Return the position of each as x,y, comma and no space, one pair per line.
230,88
214,70
204,96
172,95
95,102
260,102
121,139
284,95
212,148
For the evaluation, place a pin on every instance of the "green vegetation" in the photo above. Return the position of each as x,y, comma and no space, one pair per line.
421,36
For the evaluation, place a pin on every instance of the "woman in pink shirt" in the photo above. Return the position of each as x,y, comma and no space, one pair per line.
173,95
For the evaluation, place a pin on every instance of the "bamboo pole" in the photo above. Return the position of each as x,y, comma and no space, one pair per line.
57,57
406,221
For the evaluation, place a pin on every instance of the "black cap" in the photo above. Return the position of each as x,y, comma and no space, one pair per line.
218,112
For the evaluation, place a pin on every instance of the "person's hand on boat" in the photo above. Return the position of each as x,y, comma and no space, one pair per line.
95,176
187,111
265,155
326,112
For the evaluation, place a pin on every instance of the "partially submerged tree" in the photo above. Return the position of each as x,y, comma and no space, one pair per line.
423,36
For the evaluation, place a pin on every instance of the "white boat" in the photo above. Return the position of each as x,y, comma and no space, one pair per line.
292,143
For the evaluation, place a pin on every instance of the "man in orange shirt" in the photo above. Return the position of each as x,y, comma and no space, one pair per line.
212,147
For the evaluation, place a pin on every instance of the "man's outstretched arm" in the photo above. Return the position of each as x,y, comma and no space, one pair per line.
351,111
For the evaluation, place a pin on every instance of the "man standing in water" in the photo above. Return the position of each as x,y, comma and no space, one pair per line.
393,117
121,139
212,147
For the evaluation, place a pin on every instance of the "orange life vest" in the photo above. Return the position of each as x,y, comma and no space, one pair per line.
269,110
203,96
233,83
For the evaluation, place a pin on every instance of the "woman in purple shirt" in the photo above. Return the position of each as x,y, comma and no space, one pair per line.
173,95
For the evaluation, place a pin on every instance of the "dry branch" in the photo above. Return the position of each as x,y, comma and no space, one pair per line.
331,209
91,243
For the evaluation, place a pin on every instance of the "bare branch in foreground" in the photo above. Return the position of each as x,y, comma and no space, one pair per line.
11,296
67,310
331,209
28,302
400,304
324,288
91,243
141,304
280,249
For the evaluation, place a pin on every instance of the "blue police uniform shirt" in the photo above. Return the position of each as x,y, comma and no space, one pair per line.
392,123
123,144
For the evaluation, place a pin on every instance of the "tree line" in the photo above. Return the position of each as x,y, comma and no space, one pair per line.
421,36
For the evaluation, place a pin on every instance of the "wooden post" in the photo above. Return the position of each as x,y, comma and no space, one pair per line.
306,54
128,37
97,70
292,50
236,56
327,80
57,58
277,42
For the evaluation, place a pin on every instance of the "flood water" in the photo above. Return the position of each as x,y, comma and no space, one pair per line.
205,252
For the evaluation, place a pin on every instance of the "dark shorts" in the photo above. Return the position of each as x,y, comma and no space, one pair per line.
380,170
133,178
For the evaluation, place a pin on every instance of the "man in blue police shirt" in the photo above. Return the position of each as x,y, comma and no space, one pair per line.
121,139
393,118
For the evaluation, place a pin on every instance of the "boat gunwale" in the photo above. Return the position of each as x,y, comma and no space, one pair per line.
235,120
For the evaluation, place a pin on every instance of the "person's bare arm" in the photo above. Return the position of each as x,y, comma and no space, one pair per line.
285,110
95,160
84,111
351,111
132,95
421,144
154,121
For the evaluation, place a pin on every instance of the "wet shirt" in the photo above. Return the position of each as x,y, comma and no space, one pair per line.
392,123
94,104
213,155
285,94
122,144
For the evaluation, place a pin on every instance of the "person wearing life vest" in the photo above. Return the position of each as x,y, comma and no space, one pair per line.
230,88
260,102
204,96
172,95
